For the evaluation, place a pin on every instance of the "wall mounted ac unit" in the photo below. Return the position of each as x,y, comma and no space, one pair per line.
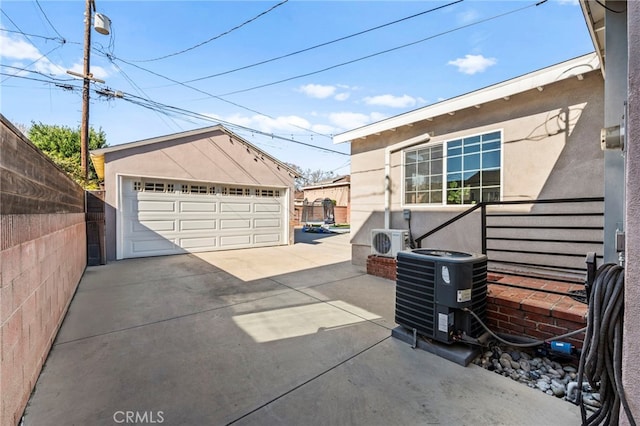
388,242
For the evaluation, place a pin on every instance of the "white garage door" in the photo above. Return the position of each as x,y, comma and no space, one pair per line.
160,217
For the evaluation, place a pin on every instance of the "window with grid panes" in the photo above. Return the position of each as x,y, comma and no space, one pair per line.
471,166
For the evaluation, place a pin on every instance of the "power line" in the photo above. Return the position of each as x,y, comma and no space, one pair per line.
33,35
112,58
21,69
164,108
31,63
380,52
323,44
141,92
47,18
215,37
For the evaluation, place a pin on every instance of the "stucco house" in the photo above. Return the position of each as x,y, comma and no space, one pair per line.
532,137
337,189
199,190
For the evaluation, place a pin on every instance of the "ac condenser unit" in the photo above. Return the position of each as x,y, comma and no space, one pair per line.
388,242
433,287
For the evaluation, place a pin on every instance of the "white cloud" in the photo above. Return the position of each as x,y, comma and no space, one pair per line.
472,64
318,91
20,50
569,2
97,71
468,16
289,123
17,49
391,101
342,96
353,120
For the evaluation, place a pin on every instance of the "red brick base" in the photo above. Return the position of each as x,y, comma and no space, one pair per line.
384,267
520,312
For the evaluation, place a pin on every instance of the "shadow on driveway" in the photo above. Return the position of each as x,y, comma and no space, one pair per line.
282,335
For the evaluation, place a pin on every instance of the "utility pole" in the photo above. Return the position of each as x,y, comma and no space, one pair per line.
103,27
84,132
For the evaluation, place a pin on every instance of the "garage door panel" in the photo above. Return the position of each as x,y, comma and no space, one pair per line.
235,240
209,243
266,238
266,223
267,208
142,247
153,225
207,206
235,224
156,206
198,225
229,207
160,223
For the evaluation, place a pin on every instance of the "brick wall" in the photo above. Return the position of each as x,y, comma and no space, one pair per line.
341,214
519,312
42,258
379,266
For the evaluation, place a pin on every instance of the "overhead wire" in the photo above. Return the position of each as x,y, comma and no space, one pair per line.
33,35
31,63
49,21
215,37
158,106
266,61
112,58
142,93
481,21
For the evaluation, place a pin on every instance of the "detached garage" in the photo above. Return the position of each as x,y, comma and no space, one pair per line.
201,190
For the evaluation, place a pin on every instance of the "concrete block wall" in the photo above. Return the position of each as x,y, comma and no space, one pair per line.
42,258
38,278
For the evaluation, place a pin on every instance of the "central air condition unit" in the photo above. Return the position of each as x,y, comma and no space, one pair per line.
388,242
432,288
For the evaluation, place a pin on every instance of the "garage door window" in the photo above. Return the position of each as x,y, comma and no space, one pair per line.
236,191
152,187
267,192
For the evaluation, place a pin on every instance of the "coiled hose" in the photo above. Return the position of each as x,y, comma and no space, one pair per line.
601,359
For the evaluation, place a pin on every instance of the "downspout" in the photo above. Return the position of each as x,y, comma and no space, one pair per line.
420,139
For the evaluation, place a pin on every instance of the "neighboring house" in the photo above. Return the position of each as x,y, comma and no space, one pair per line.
200,190
337,189
532,137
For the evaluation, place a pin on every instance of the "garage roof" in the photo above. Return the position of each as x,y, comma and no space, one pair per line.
97,155
535,80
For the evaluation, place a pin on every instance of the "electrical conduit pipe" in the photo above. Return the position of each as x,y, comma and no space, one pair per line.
417,140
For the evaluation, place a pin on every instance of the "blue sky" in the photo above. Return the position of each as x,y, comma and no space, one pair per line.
450,51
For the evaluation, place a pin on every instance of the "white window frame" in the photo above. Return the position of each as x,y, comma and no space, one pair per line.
444,143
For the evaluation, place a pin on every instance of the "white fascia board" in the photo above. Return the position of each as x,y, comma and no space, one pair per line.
540,78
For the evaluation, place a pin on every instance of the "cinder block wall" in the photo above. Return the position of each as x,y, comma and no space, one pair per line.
42,258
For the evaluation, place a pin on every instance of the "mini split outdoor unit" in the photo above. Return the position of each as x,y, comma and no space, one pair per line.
388,242
432,289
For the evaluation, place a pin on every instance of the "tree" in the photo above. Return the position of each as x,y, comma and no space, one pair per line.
62,145
309,177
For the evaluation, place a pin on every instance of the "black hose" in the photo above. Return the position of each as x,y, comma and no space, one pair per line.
601,358
522,345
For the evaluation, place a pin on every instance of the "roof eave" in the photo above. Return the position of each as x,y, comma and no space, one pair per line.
504,89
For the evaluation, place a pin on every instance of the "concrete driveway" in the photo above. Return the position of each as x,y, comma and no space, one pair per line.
291,335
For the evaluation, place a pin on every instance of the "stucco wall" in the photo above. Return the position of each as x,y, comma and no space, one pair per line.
550,150
42,258
631,344
210,157
338,193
